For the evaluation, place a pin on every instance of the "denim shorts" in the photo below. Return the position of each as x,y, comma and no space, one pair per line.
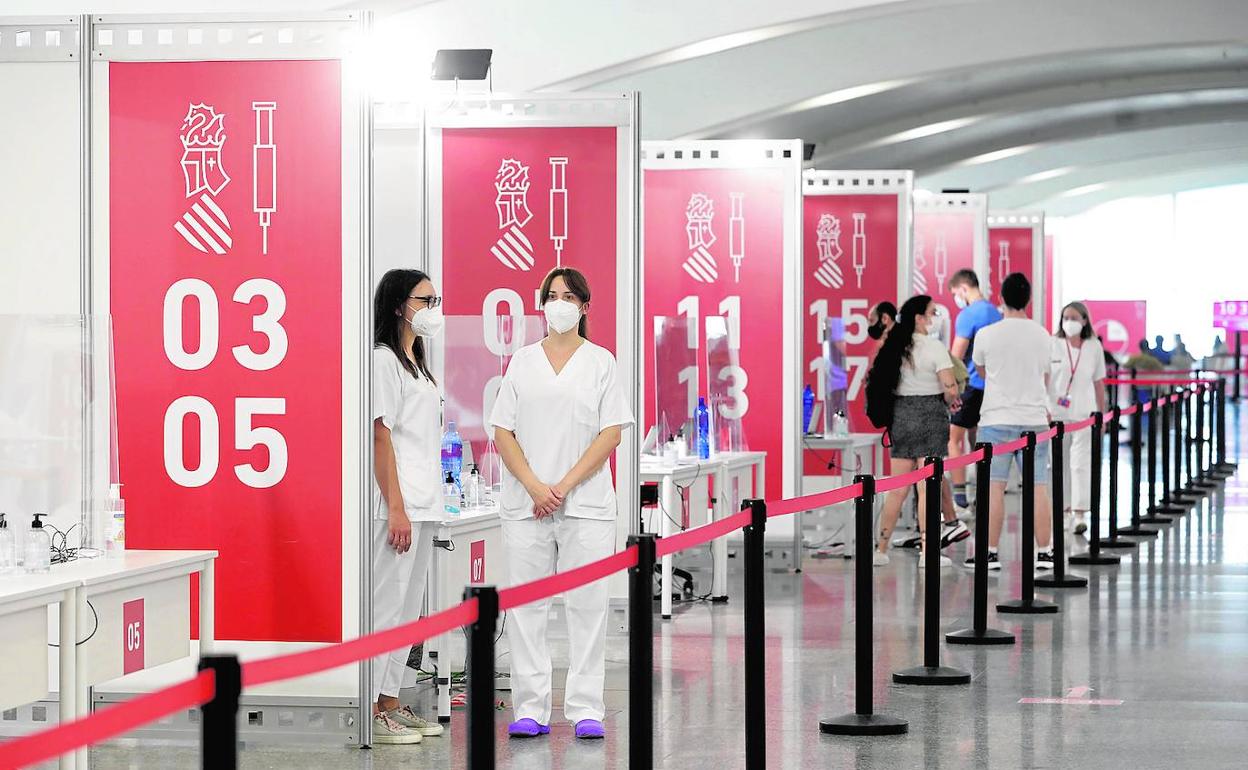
1000,434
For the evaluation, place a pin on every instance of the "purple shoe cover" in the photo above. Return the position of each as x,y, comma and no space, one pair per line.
527,728
590,728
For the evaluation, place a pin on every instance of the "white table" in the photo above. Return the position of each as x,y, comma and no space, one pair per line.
103,615
862,447
25,601
724,474
470,550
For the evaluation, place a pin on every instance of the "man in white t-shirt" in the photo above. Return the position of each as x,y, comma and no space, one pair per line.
1013,357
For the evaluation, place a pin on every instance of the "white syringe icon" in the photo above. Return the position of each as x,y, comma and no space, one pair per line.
860,245
736,233
942,262
920,264
264,170
558,206
1003,261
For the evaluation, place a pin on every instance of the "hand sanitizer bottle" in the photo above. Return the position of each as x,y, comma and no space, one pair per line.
38,547
450,496
8,549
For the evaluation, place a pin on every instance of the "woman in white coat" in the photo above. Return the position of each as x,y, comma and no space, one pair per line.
558,417
1077,377
407,499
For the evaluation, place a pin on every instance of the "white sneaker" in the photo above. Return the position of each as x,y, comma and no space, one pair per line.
945,561
965,515
387,731
406,717
879,559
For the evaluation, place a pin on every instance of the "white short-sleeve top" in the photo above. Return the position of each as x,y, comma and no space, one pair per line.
555,418
411,408
920,373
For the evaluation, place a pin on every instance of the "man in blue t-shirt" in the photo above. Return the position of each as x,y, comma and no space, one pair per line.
976,313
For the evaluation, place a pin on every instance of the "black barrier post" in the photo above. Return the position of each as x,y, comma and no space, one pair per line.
979,632
755,630
1204,449
1137,472
641,654
480,674
1150,511
864,720
218,743
1057,495
1093,556
1178,492
1225,468
931,672
1239,367
1167,505
1028,604
1115,442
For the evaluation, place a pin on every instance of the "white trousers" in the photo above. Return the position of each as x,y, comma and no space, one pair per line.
1079,461
537,549
399,582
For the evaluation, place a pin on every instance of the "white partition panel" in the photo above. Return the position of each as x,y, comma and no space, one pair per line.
267,123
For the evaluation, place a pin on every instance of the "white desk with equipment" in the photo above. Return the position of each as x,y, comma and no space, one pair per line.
118,615
730,476
25,601
860,453
469,549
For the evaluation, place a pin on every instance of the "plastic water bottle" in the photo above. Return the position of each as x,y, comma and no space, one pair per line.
840,424
452,453
38,547
704,430
808,408
450,496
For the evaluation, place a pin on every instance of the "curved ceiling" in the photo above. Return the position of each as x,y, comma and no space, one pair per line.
1061,104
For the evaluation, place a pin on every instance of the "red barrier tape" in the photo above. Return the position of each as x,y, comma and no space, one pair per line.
275,669
1127,411
694,537
108,723
964,461
561,582
813,502
904,480
1202,382
1009,447
1076,427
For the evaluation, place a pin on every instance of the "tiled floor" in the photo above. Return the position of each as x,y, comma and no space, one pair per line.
1165,633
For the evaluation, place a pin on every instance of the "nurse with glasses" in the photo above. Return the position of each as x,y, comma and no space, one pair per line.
558,418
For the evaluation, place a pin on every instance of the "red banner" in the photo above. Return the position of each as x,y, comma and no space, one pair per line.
944,243
1121,324
517,202
714,246
225,265
1011,250
850,262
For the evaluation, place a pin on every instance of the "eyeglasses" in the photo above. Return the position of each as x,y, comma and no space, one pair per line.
430,301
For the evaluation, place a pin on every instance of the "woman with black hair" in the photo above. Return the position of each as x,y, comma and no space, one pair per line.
407,434
915,369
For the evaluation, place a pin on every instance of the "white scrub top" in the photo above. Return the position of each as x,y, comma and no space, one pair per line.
1073,373
412,409
555,418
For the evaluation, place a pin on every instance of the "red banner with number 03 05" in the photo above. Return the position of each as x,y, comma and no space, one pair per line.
225,275
714,246
517,202
851,262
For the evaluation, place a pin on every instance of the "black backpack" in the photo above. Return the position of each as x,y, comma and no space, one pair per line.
880,403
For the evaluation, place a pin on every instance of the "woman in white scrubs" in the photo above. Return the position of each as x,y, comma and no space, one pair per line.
558,417
407,499
1077,374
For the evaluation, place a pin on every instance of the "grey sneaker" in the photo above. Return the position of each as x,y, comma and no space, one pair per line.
406,717
387,731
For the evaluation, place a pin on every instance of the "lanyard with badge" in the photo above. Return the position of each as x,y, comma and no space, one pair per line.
1064,401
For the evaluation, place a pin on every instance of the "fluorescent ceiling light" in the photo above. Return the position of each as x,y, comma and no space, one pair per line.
922,132
1041,176
847,94
1084,190
995,155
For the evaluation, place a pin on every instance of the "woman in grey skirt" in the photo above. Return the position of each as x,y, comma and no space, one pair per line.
917,369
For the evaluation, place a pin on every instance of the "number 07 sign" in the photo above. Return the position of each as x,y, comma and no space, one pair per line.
225,265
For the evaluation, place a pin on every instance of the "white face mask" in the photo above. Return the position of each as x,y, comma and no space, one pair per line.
960,301
561,315
1072,328
428,322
